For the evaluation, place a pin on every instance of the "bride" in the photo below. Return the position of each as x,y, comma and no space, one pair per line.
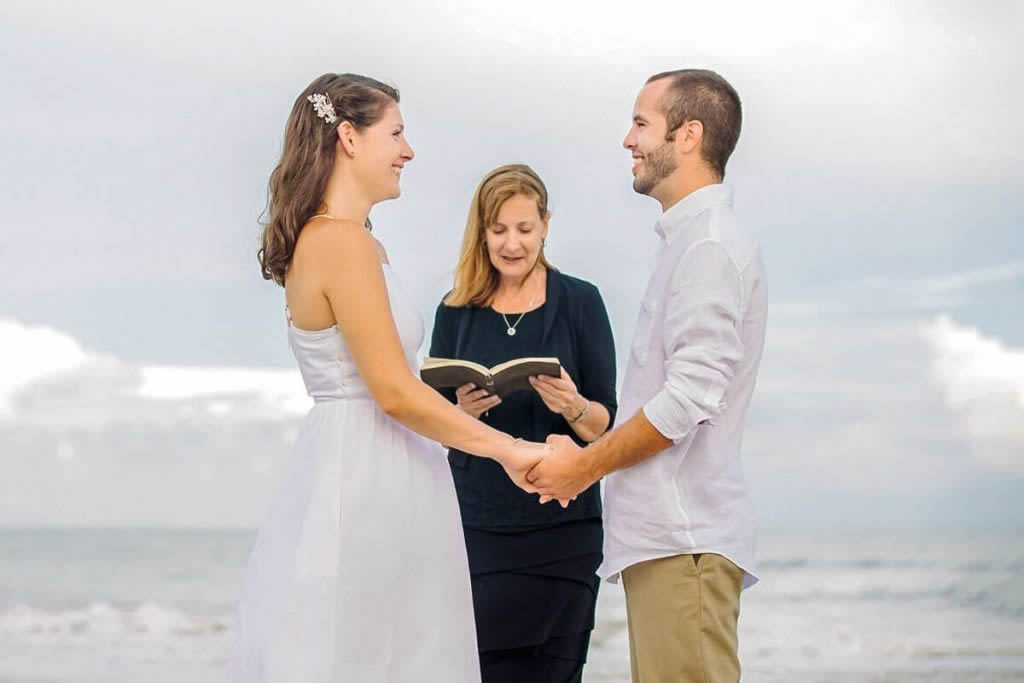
359,572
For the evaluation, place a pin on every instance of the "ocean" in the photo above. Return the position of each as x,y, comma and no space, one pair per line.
105,606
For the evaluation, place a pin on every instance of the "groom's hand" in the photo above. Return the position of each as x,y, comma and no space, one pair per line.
562,474
517,468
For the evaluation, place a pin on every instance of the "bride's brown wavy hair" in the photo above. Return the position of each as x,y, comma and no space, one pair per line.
295,192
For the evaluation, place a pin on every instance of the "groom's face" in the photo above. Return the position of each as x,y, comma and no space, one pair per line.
653,155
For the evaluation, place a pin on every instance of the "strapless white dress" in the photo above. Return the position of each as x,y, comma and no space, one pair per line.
359,572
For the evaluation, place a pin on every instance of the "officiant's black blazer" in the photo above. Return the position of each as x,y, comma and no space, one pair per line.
576,330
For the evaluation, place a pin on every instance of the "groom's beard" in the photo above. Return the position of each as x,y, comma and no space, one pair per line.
654,168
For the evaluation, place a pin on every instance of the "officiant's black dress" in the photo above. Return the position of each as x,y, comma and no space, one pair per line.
532,566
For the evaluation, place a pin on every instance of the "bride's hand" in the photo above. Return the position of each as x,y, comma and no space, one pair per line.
520,459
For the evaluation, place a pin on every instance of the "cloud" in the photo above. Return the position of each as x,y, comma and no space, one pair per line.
46,377
847,428
1006,272
31,354
884,293
845,419
949,283
122,443
280,391
839,404
982,381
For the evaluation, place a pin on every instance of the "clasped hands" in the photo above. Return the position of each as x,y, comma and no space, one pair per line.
557,470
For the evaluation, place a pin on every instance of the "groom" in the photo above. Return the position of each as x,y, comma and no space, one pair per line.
678,522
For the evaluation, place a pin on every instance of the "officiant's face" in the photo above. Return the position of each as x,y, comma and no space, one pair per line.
515,238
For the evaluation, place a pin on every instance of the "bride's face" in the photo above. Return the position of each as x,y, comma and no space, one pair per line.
381,153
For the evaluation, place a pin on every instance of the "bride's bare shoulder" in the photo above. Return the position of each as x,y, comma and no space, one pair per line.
333,238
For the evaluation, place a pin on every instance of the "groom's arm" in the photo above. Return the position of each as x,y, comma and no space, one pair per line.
571,468
624,447
702,339
703,346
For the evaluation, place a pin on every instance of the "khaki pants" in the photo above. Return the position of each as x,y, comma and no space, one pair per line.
682,613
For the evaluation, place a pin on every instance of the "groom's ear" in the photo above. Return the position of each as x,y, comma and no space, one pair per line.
689,137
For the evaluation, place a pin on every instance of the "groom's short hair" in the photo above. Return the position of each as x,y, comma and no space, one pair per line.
702,95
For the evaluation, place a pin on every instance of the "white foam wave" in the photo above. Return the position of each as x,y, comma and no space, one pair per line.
104,619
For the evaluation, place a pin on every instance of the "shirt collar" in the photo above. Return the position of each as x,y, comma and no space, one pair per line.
680,214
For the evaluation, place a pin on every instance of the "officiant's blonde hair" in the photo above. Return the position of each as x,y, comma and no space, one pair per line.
476,278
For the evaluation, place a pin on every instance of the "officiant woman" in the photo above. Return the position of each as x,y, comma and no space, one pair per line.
532,566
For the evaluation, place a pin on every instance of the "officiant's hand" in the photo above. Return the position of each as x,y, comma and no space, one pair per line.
563,474
475,401
559,394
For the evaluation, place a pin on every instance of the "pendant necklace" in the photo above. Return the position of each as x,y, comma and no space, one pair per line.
512,327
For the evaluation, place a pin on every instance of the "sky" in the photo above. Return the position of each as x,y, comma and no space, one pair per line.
145,377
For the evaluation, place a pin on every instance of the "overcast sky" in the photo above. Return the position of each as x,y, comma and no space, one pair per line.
145,376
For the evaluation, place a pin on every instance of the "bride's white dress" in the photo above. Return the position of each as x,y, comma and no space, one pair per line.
359,573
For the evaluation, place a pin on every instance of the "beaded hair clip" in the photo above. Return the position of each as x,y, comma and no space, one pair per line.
324,108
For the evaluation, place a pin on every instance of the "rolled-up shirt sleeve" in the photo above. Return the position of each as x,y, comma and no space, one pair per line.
702,338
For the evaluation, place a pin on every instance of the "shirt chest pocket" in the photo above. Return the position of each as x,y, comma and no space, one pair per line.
644,335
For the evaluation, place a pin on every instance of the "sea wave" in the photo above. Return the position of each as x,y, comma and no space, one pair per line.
104,619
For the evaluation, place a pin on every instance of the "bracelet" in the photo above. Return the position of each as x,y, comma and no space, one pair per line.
586,407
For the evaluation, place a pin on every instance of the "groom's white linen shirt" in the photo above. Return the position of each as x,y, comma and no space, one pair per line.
692,368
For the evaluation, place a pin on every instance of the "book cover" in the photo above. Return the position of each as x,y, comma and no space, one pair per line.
502,379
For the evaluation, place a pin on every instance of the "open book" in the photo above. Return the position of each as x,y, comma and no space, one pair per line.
502,379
